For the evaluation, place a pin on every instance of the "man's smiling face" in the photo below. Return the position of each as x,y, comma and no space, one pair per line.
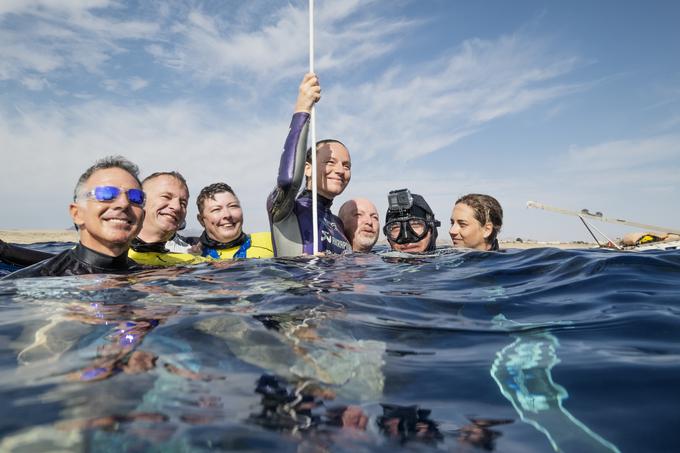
166,207
108,226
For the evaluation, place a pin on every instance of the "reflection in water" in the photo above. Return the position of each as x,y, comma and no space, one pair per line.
301,411
356,353
304,344
522,371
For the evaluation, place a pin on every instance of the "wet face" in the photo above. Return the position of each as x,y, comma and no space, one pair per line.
333,169
361,224
413,247
108,227
222,217
466,231
166,208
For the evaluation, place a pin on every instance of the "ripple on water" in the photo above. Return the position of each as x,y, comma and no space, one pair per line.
522,351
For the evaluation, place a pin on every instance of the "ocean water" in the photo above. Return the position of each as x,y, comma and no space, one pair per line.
523,351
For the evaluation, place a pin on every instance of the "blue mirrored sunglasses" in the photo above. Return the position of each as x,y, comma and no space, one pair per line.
110,193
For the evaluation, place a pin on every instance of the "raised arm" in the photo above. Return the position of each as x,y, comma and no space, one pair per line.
292,165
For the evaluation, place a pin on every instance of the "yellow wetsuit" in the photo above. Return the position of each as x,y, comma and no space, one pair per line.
168,253
256,245
164,258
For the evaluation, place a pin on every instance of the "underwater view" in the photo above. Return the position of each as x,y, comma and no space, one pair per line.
533,350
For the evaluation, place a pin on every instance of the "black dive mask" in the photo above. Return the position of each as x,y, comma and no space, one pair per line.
409,218
406,230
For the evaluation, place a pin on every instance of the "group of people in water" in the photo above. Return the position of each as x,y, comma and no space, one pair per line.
125,222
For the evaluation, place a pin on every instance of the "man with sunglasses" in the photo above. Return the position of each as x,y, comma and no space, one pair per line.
108,210
410,225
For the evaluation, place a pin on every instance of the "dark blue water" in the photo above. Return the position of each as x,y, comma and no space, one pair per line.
522,351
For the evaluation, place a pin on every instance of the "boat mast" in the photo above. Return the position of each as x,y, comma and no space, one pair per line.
598,216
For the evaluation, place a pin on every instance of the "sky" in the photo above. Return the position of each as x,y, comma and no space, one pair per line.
573,104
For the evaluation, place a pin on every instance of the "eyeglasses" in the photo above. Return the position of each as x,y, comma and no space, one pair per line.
416,227
110,193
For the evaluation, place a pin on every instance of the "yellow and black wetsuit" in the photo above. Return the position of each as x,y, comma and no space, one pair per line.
170,253
255,245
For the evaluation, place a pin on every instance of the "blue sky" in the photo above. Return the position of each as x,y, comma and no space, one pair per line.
574,104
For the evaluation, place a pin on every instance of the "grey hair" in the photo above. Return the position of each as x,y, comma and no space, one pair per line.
103,164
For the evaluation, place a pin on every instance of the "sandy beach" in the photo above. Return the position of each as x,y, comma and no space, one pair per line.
32,236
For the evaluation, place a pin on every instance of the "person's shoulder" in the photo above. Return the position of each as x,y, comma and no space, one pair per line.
52,267
261,245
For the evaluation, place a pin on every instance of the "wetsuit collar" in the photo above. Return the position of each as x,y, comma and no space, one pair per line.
99,260
210,243
323,201
138,245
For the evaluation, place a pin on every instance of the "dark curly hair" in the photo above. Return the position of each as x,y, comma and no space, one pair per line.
210,192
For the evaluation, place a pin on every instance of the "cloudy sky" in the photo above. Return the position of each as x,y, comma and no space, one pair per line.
574,104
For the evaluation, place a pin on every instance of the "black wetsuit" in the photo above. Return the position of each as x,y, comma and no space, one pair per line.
78,261
21,256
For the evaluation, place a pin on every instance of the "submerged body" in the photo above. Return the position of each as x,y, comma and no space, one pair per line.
436,316
79,260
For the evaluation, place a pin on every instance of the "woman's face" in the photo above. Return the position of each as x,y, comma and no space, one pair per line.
466,231
222,217
333,169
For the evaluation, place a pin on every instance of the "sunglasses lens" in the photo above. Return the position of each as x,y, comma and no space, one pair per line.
135,196
106,193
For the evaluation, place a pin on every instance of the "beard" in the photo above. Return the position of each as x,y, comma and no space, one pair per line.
365,241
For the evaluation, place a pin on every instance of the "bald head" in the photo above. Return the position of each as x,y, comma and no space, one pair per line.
361,223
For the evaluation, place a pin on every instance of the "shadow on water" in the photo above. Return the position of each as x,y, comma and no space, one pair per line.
532,350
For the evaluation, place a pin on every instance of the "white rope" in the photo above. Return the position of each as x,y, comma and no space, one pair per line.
312,126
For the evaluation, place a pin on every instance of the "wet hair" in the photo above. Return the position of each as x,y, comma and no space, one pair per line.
103,164
486,209
173,174
320,143
210,192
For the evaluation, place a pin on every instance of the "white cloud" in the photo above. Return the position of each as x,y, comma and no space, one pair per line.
34,83
210,48
414,111
632,155
137,83
44,36
47,148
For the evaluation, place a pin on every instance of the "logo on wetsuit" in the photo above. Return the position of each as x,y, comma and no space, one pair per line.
329,238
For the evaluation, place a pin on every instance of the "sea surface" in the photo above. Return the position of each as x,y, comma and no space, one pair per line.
524,351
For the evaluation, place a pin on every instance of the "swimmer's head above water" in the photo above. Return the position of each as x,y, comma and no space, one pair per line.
108,205
476,220
410,225
167,199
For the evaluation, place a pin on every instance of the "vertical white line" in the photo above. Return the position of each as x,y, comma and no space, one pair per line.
312,126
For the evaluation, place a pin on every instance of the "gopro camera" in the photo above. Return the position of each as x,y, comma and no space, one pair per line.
400,200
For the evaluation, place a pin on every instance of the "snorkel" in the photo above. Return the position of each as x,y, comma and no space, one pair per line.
409,218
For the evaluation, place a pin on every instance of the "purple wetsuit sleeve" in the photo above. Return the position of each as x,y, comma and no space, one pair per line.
291,168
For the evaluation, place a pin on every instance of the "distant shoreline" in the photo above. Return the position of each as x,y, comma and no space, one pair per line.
33,236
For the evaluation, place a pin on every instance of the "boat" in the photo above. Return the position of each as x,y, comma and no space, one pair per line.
653,238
